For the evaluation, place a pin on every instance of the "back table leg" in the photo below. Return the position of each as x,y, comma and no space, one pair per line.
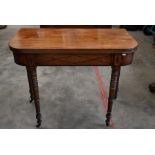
30,85
32,73
113,91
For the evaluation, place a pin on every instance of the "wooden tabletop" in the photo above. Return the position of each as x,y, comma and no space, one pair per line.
55,39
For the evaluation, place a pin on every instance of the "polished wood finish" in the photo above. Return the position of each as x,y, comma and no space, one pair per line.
73,41
75,47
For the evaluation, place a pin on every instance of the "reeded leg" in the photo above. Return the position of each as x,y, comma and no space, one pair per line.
33,76
30,85
112,91
117,84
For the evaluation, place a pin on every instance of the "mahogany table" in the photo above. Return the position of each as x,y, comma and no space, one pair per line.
34,47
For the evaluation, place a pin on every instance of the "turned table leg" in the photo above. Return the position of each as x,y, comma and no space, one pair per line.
30,85
32,76
112,91
117,83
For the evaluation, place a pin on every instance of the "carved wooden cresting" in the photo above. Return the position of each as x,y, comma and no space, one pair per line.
87,46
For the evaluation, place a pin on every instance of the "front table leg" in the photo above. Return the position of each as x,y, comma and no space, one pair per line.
33,76
117,86
112,91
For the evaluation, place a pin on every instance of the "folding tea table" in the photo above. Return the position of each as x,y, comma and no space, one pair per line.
34,47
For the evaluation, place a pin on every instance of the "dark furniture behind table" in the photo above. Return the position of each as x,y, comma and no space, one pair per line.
3,26
132,27
75,26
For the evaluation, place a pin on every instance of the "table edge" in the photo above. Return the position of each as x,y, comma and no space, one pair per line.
72,51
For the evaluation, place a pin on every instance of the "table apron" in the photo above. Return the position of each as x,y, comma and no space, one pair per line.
73,60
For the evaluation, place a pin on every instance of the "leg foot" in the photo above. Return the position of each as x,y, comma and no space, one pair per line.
38,117
108,119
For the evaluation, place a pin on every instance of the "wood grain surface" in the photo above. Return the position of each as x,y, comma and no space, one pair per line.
82,40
